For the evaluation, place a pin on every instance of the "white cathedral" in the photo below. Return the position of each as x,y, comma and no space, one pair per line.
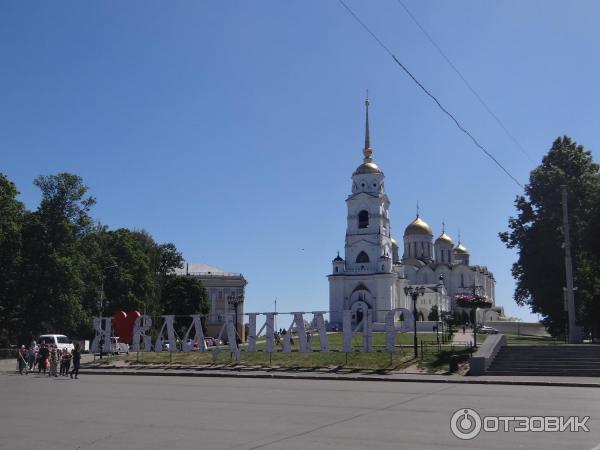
371,276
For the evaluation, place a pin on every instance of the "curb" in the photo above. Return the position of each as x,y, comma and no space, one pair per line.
328,377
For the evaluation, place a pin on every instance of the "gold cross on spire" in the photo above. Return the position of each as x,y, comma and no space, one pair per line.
367,151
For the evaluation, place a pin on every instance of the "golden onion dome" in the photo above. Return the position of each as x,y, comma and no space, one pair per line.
394,243
461,249
444,238
367,167
418,226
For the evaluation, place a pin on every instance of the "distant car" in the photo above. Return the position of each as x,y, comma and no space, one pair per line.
60,341
118,347
193,343
484,329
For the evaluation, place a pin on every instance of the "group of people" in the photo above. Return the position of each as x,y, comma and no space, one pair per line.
282,332
49,359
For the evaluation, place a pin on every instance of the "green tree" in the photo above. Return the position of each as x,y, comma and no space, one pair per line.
56,261
11,221
52,281
133,267
184,295
169,258
133,283
537,234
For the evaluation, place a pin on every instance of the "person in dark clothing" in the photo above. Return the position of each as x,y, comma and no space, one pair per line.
21,361
43,358
65,362
76,361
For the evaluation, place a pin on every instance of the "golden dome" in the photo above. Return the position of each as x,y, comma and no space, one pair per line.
394,243
444,238
367,167
418,226
461,249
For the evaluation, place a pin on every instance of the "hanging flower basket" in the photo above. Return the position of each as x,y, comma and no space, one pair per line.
472,301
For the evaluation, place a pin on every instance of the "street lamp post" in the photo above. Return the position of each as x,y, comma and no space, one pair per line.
475,292
101,308
235,300
475,327
414,293
440,319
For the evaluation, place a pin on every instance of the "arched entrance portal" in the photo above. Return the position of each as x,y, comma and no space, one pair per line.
361,300
359,311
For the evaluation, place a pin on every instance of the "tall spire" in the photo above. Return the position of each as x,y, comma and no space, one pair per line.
367,151
417,209
443,226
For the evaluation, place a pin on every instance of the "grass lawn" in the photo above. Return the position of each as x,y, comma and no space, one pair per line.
513,339
378,359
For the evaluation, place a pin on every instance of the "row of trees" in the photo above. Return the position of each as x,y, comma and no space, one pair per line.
55,262
537,234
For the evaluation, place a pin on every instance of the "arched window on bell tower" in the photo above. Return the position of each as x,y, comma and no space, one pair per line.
362,257
363,219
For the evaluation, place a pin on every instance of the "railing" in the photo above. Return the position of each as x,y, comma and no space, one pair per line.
215,274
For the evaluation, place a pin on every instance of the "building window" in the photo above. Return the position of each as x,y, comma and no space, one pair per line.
363,219
362,258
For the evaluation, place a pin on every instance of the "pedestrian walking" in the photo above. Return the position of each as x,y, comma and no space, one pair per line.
76,356
43,356
53,362
21,361
65,362
32,355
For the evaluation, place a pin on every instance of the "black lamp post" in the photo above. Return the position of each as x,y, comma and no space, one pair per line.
475,292
101,306
414,293
235,300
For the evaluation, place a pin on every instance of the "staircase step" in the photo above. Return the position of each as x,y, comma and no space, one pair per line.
542,373
547,360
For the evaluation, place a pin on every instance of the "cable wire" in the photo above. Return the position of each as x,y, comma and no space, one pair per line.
464,80
418,83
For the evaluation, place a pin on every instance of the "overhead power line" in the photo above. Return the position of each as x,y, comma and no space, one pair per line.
437,102
464,80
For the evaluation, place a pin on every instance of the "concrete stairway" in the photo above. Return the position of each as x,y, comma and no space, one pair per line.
551,360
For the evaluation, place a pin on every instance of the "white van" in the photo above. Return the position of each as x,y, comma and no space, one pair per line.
59,341
118,347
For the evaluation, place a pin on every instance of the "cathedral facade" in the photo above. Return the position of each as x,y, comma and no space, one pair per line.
373,274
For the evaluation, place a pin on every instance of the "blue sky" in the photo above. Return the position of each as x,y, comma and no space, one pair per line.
232,128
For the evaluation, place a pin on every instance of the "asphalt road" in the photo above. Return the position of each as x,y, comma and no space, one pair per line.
128,412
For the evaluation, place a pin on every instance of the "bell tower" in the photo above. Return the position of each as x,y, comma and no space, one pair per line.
368,238
366,277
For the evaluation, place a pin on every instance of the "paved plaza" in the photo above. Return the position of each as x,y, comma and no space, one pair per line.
147,412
